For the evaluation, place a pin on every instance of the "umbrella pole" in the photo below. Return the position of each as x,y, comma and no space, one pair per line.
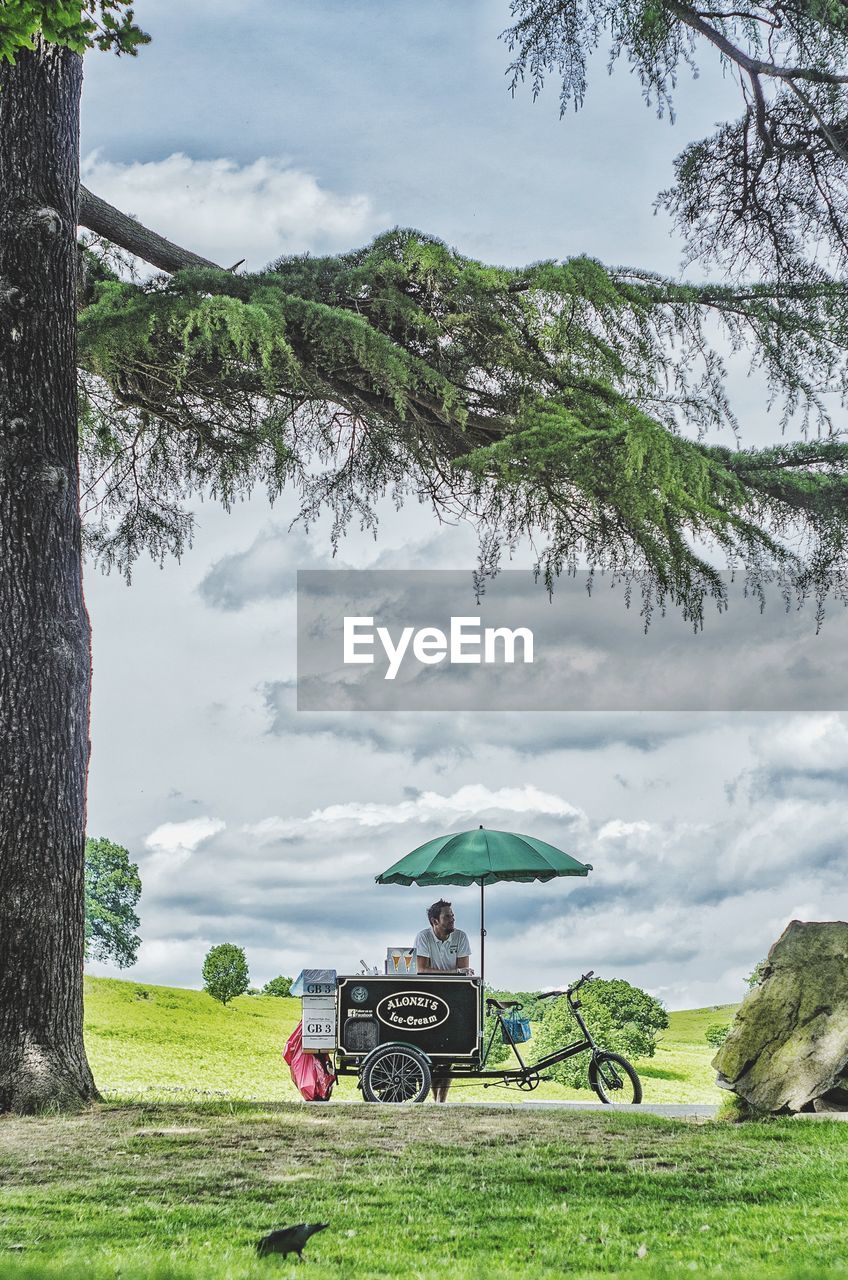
482,932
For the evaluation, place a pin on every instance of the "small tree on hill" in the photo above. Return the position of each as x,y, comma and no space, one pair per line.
112,891
279,986
621,1017
225,974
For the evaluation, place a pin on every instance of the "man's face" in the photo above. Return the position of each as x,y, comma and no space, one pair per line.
446,921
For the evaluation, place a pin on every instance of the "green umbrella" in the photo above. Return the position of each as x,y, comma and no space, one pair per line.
482,857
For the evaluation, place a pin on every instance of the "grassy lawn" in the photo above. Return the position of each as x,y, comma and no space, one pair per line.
178,1174
680,1070
185,1190
147,1042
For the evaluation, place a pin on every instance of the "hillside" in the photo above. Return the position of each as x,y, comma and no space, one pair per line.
687,1026
145,1040
169,1042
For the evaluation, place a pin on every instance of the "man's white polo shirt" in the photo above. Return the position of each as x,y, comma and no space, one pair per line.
442,955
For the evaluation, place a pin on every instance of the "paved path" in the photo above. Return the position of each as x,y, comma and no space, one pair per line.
685,1111
690,1111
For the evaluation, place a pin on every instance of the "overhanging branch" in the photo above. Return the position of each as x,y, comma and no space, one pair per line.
107,221
754,66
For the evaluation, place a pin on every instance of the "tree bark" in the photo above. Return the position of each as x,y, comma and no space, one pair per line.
107,221
44,629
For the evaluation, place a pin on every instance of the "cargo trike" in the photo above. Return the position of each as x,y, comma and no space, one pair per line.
395,1033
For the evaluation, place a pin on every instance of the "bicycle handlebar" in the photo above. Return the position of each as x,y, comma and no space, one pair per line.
568,991
577,985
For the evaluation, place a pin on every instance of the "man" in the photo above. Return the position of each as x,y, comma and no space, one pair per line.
442,949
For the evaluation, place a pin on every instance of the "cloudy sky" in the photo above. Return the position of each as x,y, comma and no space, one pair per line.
248,130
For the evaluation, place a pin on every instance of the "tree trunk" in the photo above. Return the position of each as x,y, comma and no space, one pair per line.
44,630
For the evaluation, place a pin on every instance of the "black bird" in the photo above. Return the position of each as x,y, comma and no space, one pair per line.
289,1239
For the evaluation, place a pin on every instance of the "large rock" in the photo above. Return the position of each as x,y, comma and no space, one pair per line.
788,1046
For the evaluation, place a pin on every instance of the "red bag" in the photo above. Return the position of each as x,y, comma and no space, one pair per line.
311,1072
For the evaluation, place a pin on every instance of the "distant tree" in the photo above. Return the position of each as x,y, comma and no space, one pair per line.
112,891
621,1017
532,1006
225,974
717,1033
279,986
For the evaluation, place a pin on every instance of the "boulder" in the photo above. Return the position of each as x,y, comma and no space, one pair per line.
787,1049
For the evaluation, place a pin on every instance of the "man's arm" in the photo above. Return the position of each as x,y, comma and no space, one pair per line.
422,958
423,965
462,962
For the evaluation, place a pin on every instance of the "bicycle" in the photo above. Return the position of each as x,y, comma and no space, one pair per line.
611,1076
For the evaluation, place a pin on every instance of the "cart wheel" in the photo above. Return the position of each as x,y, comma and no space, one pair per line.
614,1079
395,1073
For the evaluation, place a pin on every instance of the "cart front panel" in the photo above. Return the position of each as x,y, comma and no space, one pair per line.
439,1015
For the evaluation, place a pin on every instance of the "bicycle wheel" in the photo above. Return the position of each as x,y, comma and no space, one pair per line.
614,1080
395,1074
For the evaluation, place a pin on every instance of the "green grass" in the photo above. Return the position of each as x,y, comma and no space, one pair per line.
180,1185
149,1042
687,1026
185,1190
680,1070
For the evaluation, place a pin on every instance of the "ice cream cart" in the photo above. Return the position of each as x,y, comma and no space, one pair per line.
392,1032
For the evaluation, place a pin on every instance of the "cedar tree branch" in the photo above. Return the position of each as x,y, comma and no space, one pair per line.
105,220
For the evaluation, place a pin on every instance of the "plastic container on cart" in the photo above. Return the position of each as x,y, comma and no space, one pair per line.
319,1022
314,982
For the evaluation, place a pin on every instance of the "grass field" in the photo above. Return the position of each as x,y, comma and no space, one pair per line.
176,1176
148,1042
185,1190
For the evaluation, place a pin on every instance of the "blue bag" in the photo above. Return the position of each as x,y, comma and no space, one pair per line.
517,1027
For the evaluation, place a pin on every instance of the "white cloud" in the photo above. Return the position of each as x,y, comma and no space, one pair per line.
811,742
616,830
226,211
266,570
183,837
173,843
683,908
428,807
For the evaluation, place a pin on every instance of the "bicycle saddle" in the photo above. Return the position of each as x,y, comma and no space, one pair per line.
503,1004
